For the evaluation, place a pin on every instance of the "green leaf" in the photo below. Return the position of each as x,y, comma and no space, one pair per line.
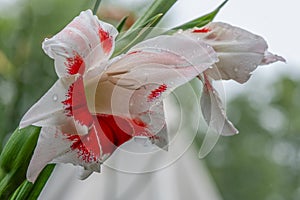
122,23
201,21
29,190
141,28
97,4
41,181
15,159
22,191
136,36
157,7
12,152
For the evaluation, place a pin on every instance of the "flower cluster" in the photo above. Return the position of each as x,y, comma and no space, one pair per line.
98,103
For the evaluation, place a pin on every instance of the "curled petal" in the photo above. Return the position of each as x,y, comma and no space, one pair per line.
239,51
82,44
271,58
214,112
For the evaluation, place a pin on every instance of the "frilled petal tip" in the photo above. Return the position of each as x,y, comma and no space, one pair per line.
271,58
84,43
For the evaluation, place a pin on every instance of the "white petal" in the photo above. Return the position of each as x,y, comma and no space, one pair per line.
239,51
49,110
171,60
150,115
270,58
83,173
54,146
83,43
63,105
196,53
236,66
49,145
213,111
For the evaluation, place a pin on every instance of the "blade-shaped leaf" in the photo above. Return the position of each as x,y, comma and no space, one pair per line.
141,28
28,190
201,21
122,23
97,4
15,158
136,36
157,7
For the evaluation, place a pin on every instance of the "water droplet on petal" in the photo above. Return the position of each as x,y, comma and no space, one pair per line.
141,140
54,97
180,31
148,143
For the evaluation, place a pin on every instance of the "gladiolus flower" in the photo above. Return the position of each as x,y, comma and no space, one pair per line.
98,103
239,53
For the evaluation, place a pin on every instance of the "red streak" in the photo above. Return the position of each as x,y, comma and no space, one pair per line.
75,104
207,84
133,52
75,65
202,30
112,131
139,122
81,145
120,131
157,92
106,40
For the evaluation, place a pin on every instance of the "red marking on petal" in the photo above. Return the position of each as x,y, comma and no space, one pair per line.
140,129
121,131
157,92
139,122
207,84
75,65
106,40
87,146
112,131
202,30
133,52
81,145
75,104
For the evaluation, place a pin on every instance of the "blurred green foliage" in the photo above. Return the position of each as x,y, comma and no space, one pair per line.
262,162
25,72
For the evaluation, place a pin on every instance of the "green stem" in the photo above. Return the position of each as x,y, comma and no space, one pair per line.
28,190
15,158
97,4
